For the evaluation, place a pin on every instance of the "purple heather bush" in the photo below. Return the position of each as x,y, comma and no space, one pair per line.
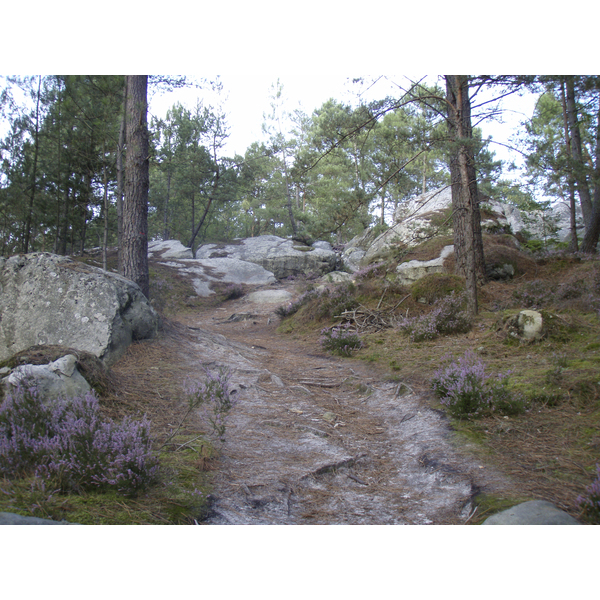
448,316
212,397
68,443
590,503
340,340
467,391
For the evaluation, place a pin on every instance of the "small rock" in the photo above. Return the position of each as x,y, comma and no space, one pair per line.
530,324
535,512
58,379
329,417
15,519
270,297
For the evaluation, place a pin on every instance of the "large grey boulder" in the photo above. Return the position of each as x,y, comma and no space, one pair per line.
169,249
204,273
47,299
535,512
58,379
282,257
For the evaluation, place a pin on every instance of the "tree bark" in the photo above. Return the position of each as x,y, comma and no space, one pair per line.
574,243
120,181
592,231
578,168
135,206
466,219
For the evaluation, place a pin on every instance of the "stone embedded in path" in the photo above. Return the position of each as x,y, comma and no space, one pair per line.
270,297
535,512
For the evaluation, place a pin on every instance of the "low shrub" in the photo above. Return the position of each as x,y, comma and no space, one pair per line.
437,286
467,391
334,302
67,442
534,294
212,397
590,503
448,316
340,340
287,310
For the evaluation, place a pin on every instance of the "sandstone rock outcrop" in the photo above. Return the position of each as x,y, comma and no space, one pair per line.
429,215
203,273
413,270
282,257
169,249
49,299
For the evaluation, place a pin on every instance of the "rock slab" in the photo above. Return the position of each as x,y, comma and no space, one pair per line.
282,257
535,512
50,299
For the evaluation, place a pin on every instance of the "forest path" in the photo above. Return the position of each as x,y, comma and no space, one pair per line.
315,439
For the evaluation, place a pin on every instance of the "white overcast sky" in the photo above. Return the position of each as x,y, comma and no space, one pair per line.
247,99
311,46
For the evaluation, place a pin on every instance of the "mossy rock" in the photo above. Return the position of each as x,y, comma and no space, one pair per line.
90,366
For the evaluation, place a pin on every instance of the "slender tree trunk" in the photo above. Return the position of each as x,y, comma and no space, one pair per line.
105,205
135,206
468,243
578,169
592,232
121,182
28,223
574,243
215,185
167,200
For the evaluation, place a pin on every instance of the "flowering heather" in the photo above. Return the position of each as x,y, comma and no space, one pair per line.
448,316
212,397
590,504
68,443
340,340
466,390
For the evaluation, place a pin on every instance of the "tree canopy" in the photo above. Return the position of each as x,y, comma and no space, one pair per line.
325,175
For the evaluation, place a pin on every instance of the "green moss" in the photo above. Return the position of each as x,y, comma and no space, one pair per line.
490,504
180,496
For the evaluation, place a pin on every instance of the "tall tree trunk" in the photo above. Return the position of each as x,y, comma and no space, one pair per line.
105,208
121,182
592,232
166,233
578,168
215,185
135,206
468,243
574,243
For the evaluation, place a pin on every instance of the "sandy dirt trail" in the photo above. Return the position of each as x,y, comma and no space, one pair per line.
320,440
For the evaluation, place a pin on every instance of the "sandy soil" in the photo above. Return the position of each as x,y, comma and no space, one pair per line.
320,440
